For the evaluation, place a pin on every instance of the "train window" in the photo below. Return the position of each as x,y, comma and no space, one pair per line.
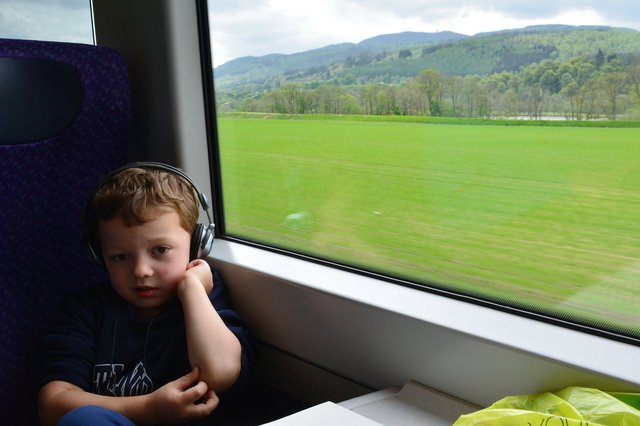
68,21
489,154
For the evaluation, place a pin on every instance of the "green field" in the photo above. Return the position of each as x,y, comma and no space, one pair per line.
539,216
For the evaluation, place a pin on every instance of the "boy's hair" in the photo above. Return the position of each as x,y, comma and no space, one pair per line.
138,195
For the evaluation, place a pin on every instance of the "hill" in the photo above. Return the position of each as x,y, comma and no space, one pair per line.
259,70
392,58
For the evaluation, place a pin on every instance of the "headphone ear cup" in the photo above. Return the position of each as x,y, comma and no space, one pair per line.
201,241
94,250
206,241
196,238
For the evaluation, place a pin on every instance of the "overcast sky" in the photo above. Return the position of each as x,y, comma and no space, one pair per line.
60,20
259,27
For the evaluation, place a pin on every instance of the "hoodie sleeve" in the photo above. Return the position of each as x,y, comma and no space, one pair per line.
220,300
67,348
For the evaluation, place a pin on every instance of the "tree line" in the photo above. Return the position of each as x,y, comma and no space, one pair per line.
582,88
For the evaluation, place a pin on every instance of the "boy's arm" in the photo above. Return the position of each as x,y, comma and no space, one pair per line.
211,345
184,399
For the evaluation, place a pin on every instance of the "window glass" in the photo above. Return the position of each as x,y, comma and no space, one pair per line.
61,20
491,152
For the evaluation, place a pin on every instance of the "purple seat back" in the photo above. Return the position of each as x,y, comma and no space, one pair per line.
64,123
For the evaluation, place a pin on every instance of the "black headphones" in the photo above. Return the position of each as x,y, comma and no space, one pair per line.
203,235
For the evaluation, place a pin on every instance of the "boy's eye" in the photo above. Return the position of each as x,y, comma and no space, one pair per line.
160,250
117,257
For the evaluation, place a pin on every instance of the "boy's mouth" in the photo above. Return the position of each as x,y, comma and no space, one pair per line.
145,291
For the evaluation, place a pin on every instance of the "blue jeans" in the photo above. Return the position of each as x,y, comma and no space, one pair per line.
91,415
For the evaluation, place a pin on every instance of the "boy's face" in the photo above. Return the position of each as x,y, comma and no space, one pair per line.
146,262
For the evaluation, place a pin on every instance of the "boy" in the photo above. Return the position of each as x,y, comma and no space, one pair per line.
160,343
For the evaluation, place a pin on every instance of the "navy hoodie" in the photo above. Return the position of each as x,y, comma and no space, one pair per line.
99,345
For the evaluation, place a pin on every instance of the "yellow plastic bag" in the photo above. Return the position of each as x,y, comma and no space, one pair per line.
572,406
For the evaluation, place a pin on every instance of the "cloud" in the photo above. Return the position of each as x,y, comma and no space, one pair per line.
63,20
428,10
242,28
614,10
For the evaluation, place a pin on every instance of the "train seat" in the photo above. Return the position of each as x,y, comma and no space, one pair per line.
64,122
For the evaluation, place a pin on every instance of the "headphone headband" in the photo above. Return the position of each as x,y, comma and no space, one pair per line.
204,203
203,236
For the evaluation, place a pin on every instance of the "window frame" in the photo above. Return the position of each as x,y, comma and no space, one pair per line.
279,292
466,299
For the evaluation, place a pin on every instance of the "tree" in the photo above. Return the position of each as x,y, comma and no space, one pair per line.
379,99
534,99
599,61
588,98
409,101
510,102
612,85
404,53
349,61
550,81
455,86
370,97
571,91
294,98
476,97
430,84
633,73
348,104
329,98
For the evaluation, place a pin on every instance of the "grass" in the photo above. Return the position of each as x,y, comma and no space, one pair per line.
543,217
437,120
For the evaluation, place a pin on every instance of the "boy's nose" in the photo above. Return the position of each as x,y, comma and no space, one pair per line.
142,268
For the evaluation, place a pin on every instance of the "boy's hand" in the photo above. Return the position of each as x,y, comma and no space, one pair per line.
197,271
184,399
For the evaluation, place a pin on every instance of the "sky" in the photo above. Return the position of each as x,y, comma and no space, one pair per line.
259,27
59,20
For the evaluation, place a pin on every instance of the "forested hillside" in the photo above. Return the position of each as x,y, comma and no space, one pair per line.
266,71
564,71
